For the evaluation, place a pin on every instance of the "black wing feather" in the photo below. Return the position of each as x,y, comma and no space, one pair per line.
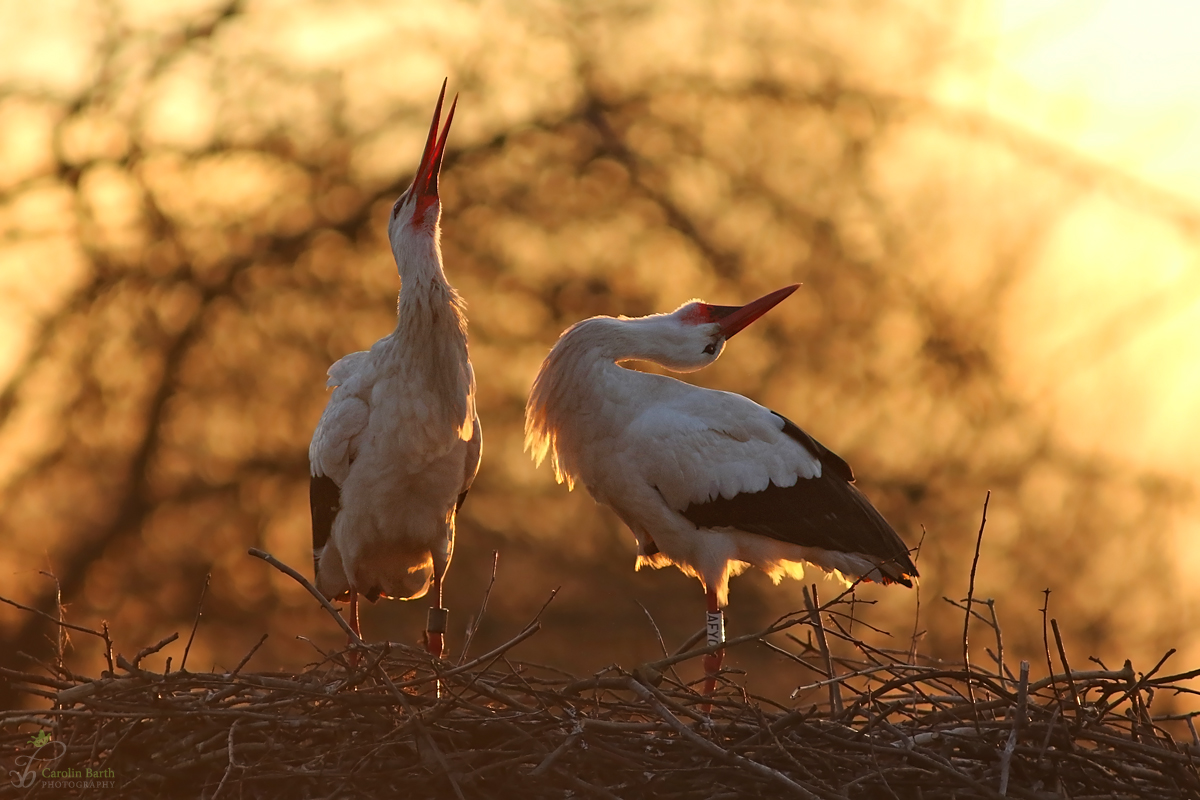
325,500
828,512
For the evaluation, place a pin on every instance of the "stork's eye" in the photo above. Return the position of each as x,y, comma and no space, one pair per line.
395,209
712,348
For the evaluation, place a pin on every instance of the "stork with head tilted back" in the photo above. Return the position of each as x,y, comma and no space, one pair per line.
399,443
709,481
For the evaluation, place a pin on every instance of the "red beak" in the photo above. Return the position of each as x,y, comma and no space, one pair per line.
734,318
425,184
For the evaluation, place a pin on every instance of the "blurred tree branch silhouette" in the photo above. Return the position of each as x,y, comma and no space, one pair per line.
196,231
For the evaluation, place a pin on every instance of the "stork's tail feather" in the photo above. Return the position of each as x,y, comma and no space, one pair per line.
899,570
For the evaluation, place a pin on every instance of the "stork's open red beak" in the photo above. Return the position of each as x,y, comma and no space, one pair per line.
425,184
734,318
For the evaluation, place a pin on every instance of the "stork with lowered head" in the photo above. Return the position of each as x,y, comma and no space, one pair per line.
709,481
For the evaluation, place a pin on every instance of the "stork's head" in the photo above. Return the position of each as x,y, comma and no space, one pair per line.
693,335
416,212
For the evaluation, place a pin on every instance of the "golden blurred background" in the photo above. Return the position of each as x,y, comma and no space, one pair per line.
994,210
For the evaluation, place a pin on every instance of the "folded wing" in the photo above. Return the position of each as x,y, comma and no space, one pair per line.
333,446
735,464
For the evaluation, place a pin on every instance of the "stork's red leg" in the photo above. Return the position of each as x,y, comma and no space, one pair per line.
716,635
435,626
354,626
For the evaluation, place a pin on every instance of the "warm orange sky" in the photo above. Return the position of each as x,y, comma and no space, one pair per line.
1118,79
1119,82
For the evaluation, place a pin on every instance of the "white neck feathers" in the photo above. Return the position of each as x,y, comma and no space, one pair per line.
569,378
431,328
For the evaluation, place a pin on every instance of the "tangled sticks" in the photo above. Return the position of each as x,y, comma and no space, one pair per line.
886,725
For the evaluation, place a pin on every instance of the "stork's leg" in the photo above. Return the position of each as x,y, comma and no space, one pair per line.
716,635
435,626
354,626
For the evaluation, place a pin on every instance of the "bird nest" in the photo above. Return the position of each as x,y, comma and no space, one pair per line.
387,719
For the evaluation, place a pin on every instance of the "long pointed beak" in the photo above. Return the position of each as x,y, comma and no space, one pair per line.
425,184
734,318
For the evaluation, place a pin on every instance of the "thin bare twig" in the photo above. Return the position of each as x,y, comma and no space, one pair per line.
1046,638
814,616
55,620
971,598
661,642
248,656
154,648
487,593
1001,670
303,581
232,761
1017,721
60,639
1062,654
195,623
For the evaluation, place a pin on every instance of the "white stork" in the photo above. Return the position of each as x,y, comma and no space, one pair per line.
709,481
399,443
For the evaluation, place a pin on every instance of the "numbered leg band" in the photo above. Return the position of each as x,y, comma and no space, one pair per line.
716,628
438,617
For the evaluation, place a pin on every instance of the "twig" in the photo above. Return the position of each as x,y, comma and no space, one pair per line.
108,647
60,640
1050,728
482,608
1062,654
1046,640
691,641
657,633
970,600
154,648
55,620
130,668
248,656
1000,668
494,654
1144,679
490,656
232,762
1018,721
962,604
661,642
553,593
195,623
303,581
549,760
916,625
814,616
912,644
